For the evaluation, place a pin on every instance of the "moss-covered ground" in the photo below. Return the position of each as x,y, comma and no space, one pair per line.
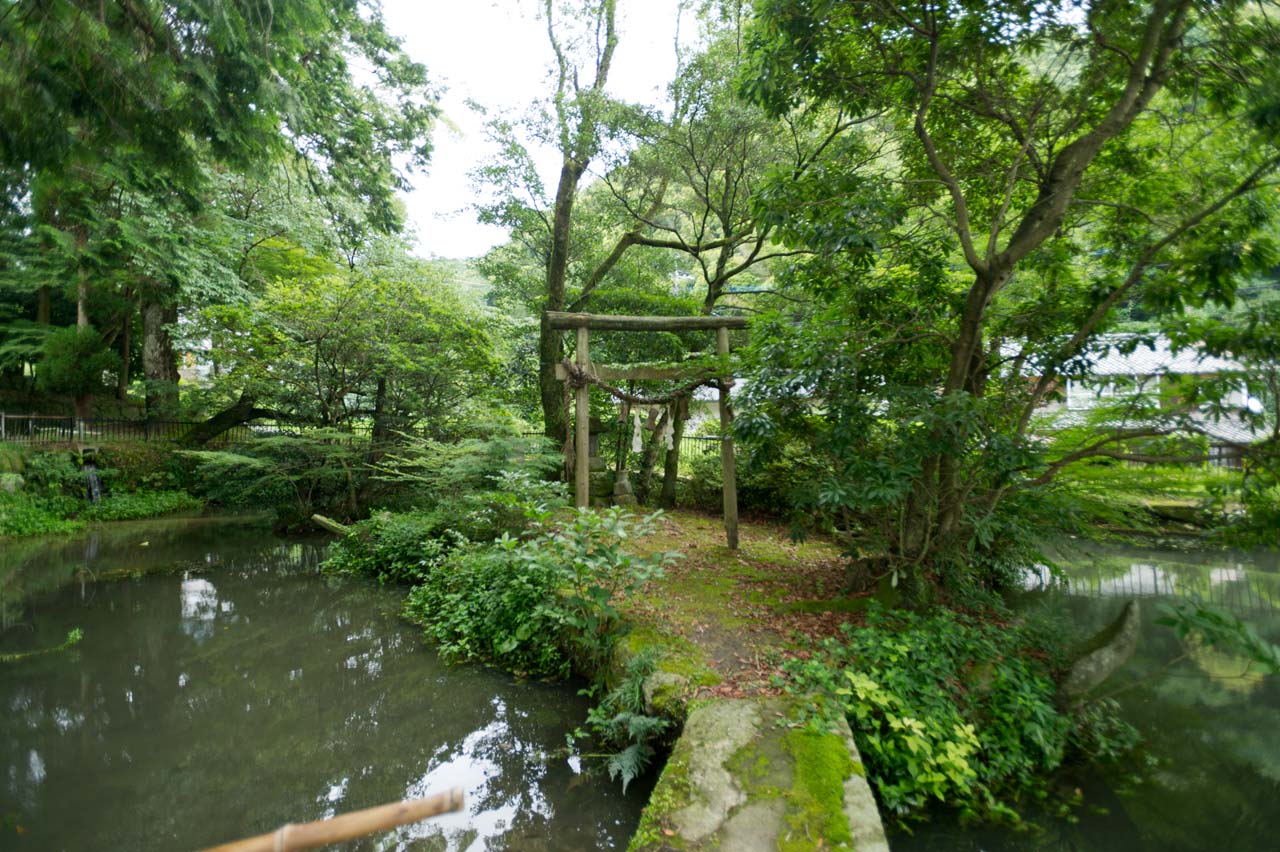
725,620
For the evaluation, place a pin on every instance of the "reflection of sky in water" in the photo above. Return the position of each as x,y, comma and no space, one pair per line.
334,796
199,607
1230,584
486,817
1226,575
317,679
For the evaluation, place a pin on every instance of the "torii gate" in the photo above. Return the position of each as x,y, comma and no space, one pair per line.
584,324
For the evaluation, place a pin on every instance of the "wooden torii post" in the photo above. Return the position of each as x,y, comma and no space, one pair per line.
583,324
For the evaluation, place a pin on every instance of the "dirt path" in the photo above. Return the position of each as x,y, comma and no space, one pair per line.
744,611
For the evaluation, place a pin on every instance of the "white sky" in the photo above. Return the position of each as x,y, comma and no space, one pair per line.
496,53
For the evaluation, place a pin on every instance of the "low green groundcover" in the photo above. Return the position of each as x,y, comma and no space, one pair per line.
952,709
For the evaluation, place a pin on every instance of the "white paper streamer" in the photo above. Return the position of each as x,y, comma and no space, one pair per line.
637,445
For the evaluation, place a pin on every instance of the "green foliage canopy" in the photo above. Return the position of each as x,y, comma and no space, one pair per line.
1023,171
319,344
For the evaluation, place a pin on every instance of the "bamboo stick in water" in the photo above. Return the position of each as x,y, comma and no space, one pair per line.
312,835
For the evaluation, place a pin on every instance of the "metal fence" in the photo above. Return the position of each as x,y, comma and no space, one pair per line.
54,429
691,448
698,447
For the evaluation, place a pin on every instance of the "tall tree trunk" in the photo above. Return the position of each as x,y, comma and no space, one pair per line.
82,279
551,391
934,511
380,426
82,301
159,360
378,440
578,143
44,305
671,466
649,460
126,345
550,345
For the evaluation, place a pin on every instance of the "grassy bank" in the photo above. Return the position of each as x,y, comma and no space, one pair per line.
45,491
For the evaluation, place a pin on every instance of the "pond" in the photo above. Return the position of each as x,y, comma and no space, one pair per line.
1211,726
224,687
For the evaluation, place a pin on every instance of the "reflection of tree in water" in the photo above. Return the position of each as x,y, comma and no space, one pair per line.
34,567
207,705
1212,731
1247,583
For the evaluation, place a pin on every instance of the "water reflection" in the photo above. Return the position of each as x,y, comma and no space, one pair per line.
1208,719
229,690
1228,579
199,607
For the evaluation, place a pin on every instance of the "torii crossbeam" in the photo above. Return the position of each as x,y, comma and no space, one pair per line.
583,324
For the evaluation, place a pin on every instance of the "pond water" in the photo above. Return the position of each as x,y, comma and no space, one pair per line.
223,687
1211,725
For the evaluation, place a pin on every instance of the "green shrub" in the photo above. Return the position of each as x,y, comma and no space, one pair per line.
138,466
55,472
127,506
768,478
405,547
401,548
947,709
540,605
1113,494
444,472
516,501
1249,508
24,514
700,482
494,602
11,460
294,476
74,360
596,573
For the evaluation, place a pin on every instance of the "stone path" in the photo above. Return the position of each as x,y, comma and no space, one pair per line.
747,774
742,778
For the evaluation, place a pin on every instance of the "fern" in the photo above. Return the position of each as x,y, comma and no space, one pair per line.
619,722
629,763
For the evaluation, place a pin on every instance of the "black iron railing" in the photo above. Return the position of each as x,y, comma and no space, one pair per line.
62,429
54,429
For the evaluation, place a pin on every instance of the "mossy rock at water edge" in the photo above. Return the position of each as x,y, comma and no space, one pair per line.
11,460
743,776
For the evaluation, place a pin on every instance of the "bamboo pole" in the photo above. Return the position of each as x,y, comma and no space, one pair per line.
727,461
582,428
324,832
